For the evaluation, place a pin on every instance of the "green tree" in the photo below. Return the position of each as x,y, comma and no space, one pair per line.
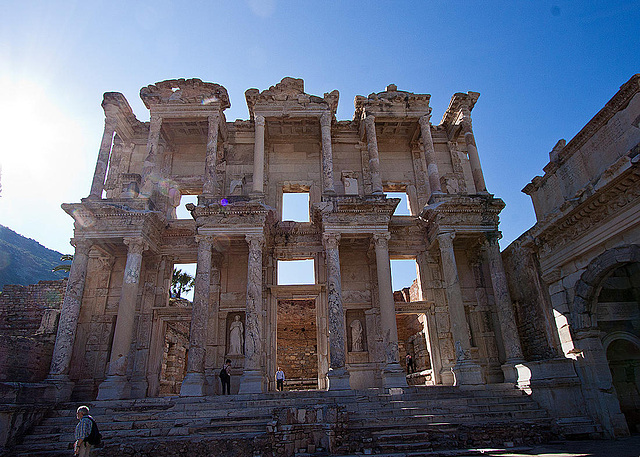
65,266
181,282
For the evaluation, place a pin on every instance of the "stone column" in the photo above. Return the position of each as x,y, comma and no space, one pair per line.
68,323
327,153
210,178
472,150
97,185
466,370
374,159
193,384
430,154
504,307
392,373
149,165
338,374
252,381
116,386
258,156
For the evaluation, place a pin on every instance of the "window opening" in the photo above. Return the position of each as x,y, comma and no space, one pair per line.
296,272
403,207
181,210
403,273
183,281
295,206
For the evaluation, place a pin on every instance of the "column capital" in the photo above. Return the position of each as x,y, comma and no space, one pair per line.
82,245
135,244
155,120
465,122
446,240
259,120
381,239
492,238
325,119
331,240
369,121
204,239
424,121
255,241
110,121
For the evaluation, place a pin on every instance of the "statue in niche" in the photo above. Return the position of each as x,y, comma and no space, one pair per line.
356,336
236,337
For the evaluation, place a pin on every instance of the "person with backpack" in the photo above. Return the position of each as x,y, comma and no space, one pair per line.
225,377
87,433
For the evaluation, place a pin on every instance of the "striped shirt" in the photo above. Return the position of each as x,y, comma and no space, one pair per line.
83,429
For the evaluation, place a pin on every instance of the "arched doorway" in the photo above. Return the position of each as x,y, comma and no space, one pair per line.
618,318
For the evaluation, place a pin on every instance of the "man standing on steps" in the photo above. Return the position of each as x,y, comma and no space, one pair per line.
280,379
81,448
225,377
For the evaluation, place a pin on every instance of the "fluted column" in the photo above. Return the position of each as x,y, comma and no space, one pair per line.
504,307
327,153
338,374
392,373
193,384
251,381
68,323
472,150
374,158
466,370
258,155
151,160
210,179
97,185
430,154
116,386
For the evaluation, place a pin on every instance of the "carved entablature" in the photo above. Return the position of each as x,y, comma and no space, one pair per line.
289,98
115,221
185,91
462,214
355,211
127,125
392,103
237,218
552,234
459,103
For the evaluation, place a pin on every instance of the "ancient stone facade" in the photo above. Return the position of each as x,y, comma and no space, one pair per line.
575,275
458,321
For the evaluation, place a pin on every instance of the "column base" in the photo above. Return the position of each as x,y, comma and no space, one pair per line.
62,387
338,379
393,376
115,387
467,373
510,371
193,385
251,382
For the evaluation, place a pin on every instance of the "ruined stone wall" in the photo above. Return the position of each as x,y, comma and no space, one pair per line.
297,347
28,325
531,303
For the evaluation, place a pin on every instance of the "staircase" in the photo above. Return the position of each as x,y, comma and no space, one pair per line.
311,422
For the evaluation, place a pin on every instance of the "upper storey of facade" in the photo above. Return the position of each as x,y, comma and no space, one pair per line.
291,143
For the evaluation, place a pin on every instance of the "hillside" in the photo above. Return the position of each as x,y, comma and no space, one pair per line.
25,261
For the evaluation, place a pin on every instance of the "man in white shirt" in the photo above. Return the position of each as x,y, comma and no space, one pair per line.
280,379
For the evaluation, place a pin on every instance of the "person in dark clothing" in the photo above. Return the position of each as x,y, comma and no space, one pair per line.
410,367
225,377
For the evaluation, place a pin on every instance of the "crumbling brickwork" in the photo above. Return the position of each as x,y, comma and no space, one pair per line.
28,324
297,350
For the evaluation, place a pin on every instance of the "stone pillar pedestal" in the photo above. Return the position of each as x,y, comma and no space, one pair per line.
506,315
466,370
116,385
472,150
392,373
374,158
193,384
338,374
97,185
430,155
327,154
68,323
258,156
252,378
210,178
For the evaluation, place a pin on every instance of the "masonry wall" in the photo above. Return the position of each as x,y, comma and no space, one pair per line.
28,325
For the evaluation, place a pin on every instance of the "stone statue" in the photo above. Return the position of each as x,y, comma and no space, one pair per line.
356,336
236,337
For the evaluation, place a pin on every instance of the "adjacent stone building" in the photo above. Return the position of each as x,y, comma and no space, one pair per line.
575,275
118,329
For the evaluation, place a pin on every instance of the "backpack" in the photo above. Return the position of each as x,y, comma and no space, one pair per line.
95,437
223,373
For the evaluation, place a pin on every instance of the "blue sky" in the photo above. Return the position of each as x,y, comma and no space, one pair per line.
543,69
